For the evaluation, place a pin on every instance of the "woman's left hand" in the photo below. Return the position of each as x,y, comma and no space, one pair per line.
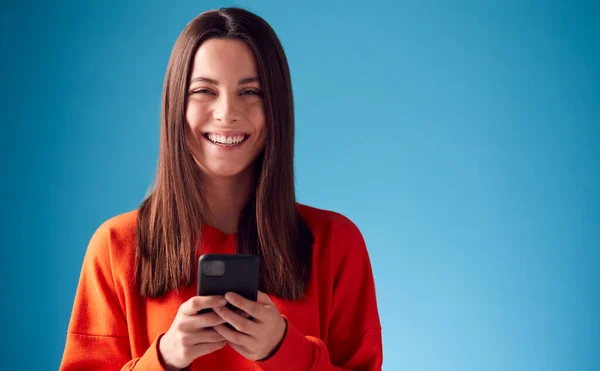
255,338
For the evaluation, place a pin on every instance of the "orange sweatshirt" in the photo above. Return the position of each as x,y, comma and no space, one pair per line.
335,327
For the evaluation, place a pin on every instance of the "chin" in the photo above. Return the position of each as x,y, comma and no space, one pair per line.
225,172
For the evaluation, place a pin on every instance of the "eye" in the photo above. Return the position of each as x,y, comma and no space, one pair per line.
252,92
202,91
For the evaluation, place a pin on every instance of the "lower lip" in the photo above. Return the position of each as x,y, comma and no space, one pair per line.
228,147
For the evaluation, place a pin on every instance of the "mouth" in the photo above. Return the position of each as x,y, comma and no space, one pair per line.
226,140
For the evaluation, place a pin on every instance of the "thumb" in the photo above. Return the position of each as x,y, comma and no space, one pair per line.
264,299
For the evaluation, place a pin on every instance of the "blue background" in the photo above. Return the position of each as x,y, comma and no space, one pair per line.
462,138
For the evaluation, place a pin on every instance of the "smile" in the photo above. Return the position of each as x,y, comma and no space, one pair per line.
226,140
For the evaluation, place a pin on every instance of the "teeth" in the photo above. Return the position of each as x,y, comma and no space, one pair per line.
221,139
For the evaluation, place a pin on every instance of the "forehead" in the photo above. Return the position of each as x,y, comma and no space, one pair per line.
221,58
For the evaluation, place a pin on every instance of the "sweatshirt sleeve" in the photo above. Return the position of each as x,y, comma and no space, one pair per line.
354,341
97,337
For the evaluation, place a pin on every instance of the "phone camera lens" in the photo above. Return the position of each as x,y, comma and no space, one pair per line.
213,268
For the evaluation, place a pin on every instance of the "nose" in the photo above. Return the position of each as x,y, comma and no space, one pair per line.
226,110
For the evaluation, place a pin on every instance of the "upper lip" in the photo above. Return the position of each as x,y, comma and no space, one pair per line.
225,133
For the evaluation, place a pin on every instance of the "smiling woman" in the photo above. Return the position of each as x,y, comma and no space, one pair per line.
225,113
225,185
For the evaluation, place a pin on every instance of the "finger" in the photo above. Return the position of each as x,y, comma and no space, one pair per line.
206,336
206,348
242,313
240,323
199,322
264,299
194,304
234,337
251,307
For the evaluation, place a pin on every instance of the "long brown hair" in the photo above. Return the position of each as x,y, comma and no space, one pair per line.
170,218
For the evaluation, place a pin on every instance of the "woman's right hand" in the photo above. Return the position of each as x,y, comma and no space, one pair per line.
189,338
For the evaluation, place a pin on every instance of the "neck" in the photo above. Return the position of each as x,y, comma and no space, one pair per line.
226,198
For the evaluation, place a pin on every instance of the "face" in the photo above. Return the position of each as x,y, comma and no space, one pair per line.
225,114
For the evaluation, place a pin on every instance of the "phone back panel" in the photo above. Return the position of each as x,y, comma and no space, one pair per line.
241,275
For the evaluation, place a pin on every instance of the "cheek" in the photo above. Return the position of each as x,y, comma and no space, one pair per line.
257,117
195,117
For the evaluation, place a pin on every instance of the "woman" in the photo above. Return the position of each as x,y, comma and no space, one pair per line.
225,184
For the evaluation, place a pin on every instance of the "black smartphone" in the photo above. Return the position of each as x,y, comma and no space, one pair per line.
222,273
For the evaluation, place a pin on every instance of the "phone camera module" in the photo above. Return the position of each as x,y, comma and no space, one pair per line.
213,268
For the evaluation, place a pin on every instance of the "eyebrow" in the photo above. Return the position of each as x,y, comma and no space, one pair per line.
245,80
